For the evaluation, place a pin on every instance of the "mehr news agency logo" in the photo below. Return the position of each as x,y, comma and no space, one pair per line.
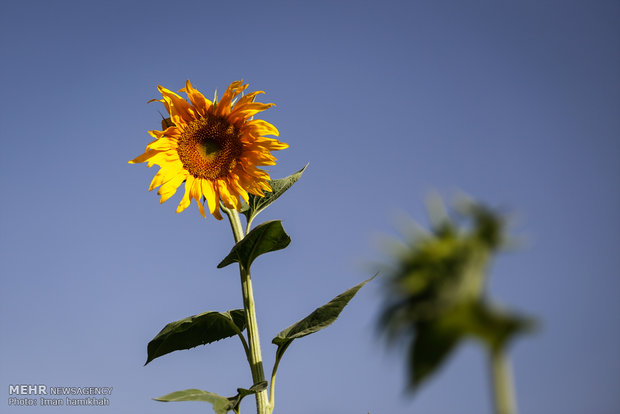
42,395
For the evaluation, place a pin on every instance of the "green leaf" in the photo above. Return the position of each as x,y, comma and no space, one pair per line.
436,338
494,326
317,320
256,204
258,387
264,238
196,330
221,405
242,392
432,344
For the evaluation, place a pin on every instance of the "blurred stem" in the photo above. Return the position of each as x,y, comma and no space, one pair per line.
503,388
255,357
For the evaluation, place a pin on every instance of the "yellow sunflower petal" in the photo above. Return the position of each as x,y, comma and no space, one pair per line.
248,98
196,193
186,199
223,106
251,184
228,198
271,144
170,132
167,173
212,196
254,173
217,214
163,144
159,179
200,103
144,157
265,186
246,111
260,127
169,188
162,101
163,157
156,134
234,184
180,111
259,158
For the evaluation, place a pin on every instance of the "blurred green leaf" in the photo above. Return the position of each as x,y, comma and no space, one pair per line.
492,325
256,204
266,237
435,339
432,344
196,330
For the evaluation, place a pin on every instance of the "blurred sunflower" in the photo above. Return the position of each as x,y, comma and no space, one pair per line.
215,148
436,289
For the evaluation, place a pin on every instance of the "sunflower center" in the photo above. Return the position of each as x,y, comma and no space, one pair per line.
209,147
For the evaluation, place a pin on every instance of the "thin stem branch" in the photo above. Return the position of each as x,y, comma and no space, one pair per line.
503,389
272,384
272,388
245,345
249,226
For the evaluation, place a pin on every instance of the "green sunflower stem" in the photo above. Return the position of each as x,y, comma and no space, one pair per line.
503,389
255,356
235,223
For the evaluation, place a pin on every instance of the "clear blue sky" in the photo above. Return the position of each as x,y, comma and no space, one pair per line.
515,103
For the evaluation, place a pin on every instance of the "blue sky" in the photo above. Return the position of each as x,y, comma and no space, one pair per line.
514,103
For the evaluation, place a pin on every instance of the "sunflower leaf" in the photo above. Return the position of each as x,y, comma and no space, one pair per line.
493,325
432,344
196,330
257,204
242,392
264,238
221,405
435,339
319,319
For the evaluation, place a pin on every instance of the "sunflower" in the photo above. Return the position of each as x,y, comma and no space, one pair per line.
215,148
